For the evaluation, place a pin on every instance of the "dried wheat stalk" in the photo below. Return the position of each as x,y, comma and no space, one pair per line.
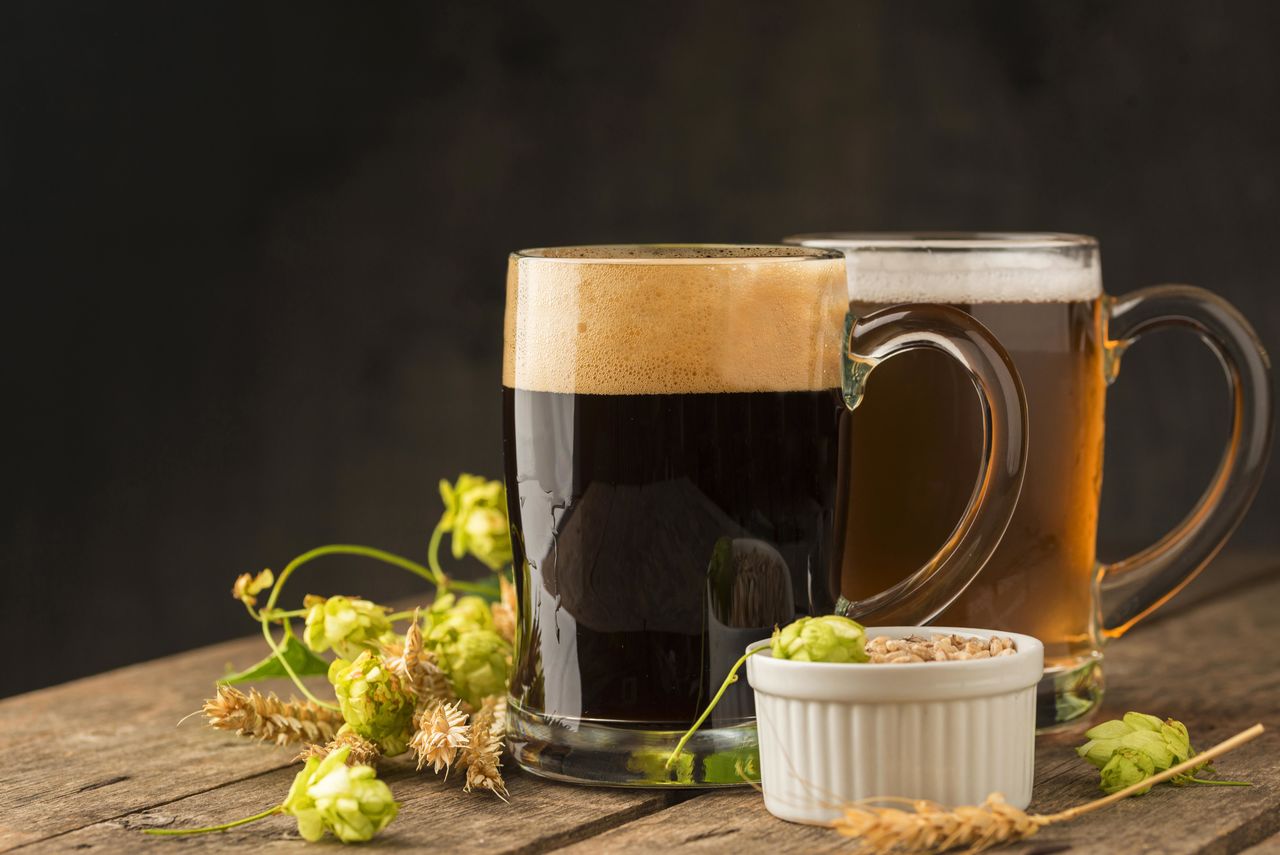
270,719
441,733
930,828
482,757
362,753
416,666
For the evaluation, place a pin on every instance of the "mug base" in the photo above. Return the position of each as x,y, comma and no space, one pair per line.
1069,695
613,754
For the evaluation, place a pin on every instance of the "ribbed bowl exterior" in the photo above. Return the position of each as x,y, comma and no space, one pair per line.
817,753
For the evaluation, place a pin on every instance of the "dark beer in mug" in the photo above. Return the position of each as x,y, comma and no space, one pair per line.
671,425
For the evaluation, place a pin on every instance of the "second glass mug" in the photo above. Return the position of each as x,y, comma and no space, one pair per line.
1041,295
672,441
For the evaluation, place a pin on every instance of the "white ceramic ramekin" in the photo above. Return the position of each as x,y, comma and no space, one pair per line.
951,732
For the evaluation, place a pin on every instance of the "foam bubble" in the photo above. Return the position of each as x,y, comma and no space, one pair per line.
669,320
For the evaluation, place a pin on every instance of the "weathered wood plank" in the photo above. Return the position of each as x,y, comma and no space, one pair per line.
435,816
110,744
1216,668
1229,573
88,760
1270,846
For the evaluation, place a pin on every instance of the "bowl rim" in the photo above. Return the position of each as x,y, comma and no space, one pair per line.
862,682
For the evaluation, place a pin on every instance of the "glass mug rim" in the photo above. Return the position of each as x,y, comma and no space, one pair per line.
927,241
657,254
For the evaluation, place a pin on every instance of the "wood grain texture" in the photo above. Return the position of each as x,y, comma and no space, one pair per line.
435,816
107,745
1270,846
1184,668
91,763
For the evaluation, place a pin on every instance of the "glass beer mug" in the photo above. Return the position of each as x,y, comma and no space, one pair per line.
672,442
1041,295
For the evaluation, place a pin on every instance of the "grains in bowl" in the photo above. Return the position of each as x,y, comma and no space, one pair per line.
936,648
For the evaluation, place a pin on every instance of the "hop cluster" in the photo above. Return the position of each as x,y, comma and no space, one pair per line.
347,801
467,647
475,515
347,624
829,638
1134,748
374,702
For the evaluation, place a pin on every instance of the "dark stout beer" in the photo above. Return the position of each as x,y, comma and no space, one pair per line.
621,502
671,422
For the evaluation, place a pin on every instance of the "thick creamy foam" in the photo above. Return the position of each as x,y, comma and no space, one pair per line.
736,322
671,253
894,274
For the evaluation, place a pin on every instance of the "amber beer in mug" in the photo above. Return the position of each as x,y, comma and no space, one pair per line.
1042,296
672,444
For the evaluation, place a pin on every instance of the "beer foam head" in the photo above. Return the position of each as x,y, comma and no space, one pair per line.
956,268
667,319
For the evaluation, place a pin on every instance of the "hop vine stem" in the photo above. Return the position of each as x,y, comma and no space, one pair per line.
174,832
432,574
728,681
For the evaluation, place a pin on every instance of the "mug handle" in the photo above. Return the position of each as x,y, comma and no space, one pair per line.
884,333
1135,587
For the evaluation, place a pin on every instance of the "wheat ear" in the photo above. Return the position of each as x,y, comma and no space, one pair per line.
361,751
270,719
929,828
482,756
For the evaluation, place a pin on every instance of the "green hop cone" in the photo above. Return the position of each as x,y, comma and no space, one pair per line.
1165,743
1098,751
1151,744
475,514
374,703
829,638
1139,740
1142,721
1178,740
1126,767
1113,729
474,657
477,665
450,616
347,624
349,801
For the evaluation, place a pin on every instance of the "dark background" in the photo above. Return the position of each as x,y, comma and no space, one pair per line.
253,255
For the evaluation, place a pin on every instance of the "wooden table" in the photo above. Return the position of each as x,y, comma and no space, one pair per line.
88,764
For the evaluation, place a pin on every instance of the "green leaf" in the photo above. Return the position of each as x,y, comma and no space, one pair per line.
303,662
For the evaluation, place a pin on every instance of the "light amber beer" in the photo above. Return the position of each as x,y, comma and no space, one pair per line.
909,452
904,500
